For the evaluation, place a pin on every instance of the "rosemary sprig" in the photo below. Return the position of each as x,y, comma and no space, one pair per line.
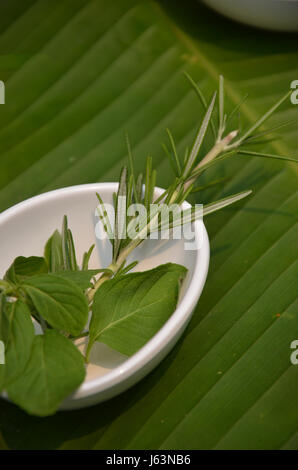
226,143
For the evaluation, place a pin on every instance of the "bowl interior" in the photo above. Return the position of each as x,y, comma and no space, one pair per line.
25,228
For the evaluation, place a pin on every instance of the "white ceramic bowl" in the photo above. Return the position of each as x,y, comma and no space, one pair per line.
24,230
278,15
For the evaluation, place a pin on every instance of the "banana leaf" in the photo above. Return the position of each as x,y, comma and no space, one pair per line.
78,75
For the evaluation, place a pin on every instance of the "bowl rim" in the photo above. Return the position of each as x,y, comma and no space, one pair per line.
173,325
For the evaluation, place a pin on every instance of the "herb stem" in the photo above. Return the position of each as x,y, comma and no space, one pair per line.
104,277
5,286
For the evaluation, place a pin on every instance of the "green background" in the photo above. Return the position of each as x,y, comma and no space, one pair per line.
80,73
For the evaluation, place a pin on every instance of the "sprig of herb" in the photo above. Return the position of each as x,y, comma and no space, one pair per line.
54,295
227,143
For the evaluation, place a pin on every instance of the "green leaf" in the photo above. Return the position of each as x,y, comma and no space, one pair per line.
53,252
59,301
126,269
131,169
86,258
208,185
229,382
226,201
66,248
17,333
55,369
221,105
171,159
193,213
266,155
174,153
81,278
72,251
23,267
199,138
203,101
139,187
120,214
148,183
104,217
266,116
129,310
271,130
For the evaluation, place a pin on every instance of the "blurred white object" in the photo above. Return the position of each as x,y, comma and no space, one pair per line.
278,15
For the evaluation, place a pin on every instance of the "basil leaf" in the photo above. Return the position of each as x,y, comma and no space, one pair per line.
17,333
55,369
53,252
129,310
81,278
23,267
59,301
